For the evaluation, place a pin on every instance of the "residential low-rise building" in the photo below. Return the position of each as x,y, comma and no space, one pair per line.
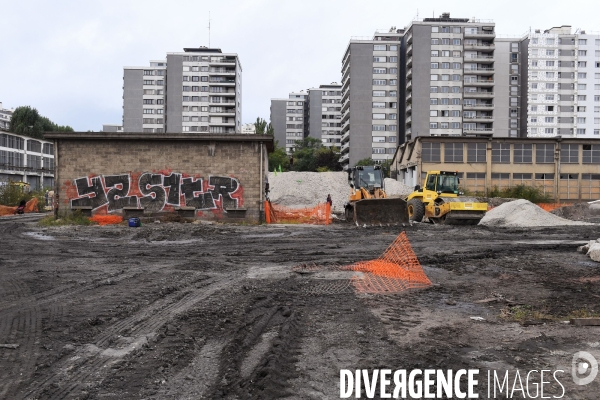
25,159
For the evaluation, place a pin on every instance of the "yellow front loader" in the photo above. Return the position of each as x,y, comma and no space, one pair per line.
368,203
441,202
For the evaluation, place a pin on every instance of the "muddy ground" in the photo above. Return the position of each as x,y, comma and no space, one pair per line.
190,311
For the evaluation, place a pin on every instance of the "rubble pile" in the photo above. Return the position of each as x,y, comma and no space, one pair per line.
591,249
523,213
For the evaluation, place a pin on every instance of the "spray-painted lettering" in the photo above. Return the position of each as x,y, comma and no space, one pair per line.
153,191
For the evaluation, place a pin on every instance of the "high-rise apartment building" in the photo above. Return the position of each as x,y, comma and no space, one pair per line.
312,113
449,77
197,90
562,83
370,81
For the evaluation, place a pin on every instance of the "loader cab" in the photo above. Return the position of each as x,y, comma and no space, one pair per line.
367,177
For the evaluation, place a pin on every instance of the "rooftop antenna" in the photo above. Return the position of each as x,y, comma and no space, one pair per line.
209,29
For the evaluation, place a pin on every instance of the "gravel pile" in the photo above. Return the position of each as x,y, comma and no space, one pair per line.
523,213
307,189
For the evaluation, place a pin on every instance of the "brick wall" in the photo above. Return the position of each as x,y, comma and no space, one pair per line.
160,175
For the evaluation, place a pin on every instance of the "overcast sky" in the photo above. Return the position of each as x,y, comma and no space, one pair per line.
66,58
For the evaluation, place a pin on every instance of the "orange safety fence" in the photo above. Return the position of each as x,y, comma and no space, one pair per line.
396,270
107,219
30,206
552,206
318,215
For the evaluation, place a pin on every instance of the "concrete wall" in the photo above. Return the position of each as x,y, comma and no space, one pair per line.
174,94
314,114
502,88
278,107
133,80
215,176
361,95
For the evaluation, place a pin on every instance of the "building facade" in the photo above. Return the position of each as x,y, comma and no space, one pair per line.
26,159
370,83
197,90
5,117
565,169
314,113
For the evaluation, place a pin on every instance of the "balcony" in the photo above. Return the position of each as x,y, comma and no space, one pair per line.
478,131
221,71
478,106
479,118
409,96
409,85
345,105
409,73
409,119
223,93
480,71
480,58
225,123
344,158
478,95
409,50
212,101
408,131
409,62
230,112
479,34
222,61
481,47
345,148
479,82
408,108
409,38
228,82
345,137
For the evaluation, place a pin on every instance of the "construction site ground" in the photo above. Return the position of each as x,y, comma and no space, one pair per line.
189,311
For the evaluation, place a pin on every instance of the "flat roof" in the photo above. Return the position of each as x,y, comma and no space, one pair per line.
192,136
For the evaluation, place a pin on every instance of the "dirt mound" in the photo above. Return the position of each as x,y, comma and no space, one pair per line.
577,212
307,189
523,213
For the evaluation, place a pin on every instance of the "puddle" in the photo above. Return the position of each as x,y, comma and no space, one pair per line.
39,236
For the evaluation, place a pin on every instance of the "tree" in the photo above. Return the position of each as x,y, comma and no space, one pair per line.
28,121
328,159
261,126
279,157
270,129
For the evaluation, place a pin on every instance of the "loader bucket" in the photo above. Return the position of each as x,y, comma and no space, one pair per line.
380,211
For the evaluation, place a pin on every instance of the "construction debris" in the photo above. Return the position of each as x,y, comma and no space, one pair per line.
523,213
591,249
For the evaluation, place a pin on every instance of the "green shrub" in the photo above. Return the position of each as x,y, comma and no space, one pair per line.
531,193
76,218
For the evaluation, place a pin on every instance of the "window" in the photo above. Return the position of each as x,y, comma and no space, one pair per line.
445,77
430,152
581,75
379,70
435,41
433,101
453,152
476,152
433,125
444,101
569,153
393,116
445,42
393,59
433,113
434,77
549,74
393,47
378,105
591,154
393,81
581,131
444,125
455,113
435,65
433,89
380,47
582,41
435,53
582,64
392,139
581,86
501,153
379,59
393,93
378,127
549,41
549,120
544,153
148,82
434,29
581,97
456,89
522,153
582,53
393,70
378,150
378,93
550,52
379,82
378,116
581,120
378,139
456,42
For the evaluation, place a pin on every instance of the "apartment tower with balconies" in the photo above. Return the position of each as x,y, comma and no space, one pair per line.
197,90
369,112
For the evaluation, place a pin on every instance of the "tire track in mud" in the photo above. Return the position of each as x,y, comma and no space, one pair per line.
77,370
22,328
253,364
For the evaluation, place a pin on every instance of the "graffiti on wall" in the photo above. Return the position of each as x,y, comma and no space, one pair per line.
156,191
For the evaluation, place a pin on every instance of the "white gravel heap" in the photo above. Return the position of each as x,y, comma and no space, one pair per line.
307,189
523,213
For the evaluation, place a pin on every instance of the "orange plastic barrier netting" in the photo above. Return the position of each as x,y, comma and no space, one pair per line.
107,219
320,214
552,206
396,270
30,206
